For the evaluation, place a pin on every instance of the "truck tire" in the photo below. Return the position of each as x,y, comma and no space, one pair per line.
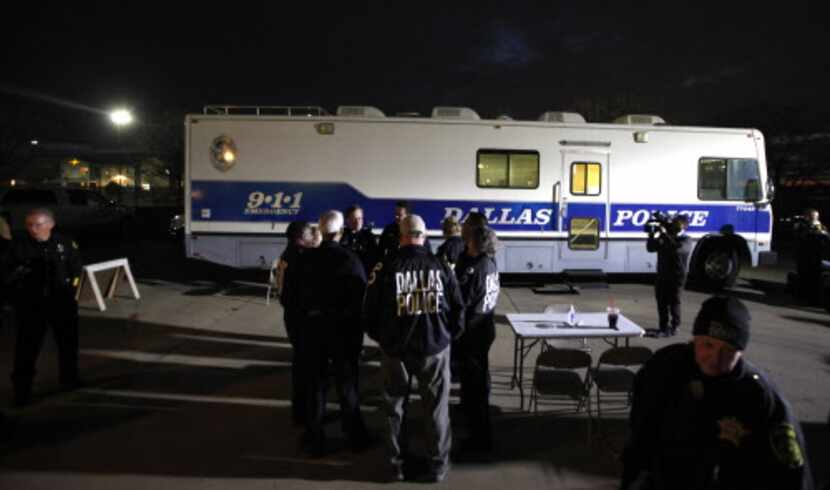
717,267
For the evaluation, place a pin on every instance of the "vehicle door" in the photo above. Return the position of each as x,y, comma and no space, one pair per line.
583,209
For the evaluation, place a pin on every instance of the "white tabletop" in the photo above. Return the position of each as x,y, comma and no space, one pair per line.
552,325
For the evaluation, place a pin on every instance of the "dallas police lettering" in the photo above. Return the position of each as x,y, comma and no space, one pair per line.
491,295
638,217
419,292
504,216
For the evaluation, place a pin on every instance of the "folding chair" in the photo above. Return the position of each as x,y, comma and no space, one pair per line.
274,280
614,374
556,376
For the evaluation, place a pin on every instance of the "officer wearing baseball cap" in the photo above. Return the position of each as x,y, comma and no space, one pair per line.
414,309
703,417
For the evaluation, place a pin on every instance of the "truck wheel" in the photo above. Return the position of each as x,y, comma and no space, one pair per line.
717,267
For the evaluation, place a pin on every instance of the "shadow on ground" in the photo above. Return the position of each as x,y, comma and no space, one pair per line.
162,400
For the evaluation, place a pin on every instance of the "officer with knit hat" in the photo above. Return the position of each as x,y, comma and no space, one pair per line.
703,417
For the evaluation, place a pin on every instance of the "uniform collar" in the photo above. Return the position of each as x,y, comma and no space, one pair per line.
414,249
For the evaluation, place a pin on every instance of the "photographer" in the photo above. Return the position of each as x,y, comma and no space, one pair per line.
666,236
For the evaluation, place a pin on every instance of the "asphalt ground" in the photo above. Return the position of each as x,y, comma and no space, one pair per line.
190,386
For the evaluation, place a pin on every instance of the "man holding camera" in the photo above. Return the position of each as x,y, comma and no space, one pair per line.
666,236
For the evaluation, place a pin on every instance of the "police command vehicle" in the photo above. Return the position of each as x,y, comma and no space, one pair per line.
561,193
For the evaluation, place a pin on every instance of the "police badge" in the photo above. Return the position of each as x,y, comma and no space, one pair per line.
223,153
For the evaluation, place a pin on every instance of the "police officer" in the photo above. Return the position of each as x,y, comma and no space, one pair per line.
43,270
673,248
5,243
453,245
331,292
414,310
390,237
812,248
5,307
359,238
478,279
703,417
298,234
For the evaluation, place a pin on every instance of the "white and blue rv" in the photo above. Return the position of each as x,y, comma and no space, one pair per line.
562,194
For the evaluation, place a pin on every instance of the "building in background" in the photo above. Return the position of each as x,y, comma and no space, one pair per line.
131,177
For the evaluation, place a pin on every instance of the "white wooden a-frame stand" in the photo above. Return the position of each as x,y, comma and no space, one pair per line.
120,272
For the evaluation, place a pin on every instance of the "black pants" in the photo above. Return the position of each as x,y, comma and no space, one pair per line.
332,342
61,314
473,357
293,327
667,294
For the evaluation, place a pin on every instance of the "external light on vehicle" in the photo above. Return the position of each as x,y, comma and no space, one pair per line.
223,153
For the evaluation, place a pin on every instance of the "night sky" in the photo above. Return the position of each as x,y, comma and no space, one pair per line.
734,62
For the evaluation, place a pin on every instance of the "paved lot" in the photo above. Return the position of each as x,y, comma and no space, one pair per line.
189,387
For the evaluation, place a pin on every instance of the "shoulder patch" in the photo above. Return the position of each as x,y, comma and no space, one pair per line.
74,245
785,446
373,274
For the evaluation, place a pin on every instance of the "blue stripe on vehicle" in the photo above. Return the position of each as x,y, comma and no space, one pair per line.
257,202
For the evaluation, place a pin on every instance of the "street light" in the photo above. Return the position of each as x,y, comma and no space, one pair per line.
121,117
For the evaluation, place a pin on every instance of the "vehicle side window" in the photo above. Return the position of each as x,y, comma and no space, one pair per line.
30,196
583,234
507,169
728,179
586,178
76,197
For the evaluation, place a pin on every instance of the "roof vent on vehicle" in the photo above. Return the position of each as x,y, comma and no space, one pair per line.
464,113
647,119
359,111
562,117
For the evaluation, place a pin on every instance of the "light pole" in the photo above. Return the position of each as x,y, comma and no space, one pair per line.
121,118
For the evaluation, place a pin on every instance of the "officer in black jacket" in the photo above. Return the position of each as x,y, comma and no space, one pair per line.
812,253
453,245
359,238
42,270
5,243
390,237
702,417
331,293
414,310
298,235
478,279
673,248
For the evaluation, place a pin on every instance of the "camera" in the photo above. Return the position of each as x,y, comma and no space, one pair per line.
658,221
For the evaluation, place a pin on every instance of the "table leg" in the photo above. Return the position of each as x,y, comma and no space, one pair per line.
521,374
514,379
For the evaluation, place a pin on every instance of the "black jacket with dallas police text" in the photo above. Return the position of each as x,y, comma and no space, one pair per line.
478,279
688,430
37,271
413,304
